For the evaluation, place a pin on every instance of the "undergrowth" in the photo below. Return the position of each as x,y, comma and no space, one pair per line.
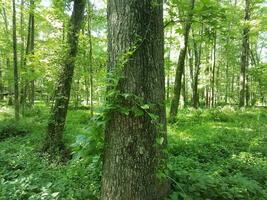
213,154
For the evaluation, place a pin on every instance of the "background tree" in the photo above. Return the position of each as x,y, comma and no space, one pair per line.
244,57
181,61
15,58
54,137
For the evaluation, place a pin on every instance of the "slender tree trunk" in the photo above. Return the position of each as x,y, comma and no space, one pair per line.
90,63
227,82
15,60
54,138
8,65
28,89
196,75
207,74
180,67
244,57
191,68
136,54
1,83
22,58
32,88
184,90
197,56
247,91
213,71
10,86
168,74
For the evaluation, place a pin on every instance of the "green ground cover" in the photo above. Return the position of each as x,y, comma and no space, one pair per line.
213,154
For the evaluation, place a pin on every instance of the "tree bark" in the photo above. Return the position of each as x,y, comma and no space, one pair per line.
90,63
244,57
54,138
213,71
15,62
28,89
1,83
180,67
32,87
197,52
22,62
136,53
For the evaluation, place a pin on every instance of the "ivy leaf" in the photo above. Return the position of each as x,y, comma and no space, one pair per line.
145,107
153,116
160,140
124,110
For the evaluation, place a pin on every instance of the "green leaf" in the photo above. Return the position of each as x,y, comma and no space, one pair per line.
160,140
145,107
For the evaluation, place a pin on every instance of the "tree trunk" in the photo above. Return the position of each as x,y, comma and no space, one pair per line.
8,65
54,137
226,83
90,63
180,67
22,61
196,75
28,89
213,72
168,70
32,88
244,57
1,83
136,54
184,87
15,60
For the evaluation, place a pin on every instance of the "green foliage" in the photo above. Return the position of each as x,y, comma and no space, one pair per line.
25,174
218,154
11,128
213,154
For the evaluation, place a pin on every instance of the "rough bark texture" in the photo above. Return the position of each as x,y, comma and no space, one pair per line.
54,137
15,62
131,156
244,57
180,66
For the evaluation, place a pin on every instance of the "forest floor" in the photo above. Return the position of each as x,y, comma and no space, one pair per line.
213,154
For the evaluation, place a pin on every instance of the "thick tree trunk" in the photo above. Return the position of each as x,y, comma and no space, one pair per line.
136,54
15,62
244,57
54,137
180,67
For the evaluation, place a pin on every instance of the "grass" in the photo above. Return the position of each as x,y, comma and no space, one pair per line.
213,154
